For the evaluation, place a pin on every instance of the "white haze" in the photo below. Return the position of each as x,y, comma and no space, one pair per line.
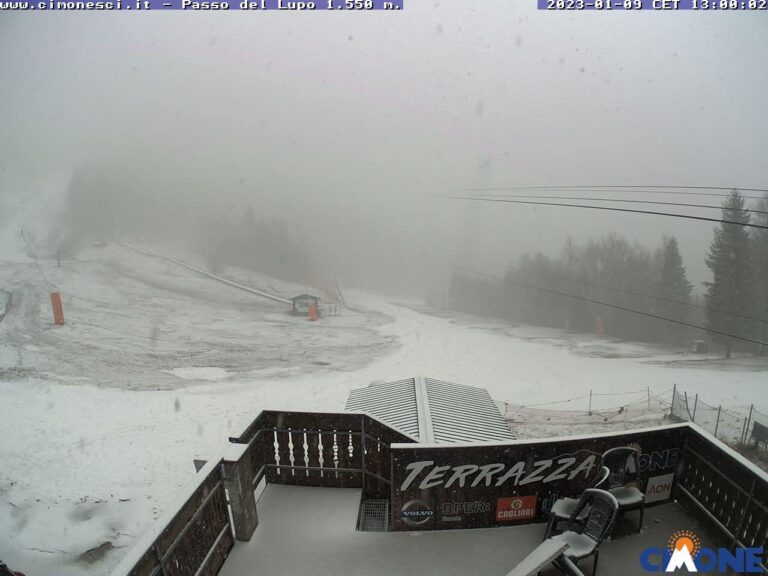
347,125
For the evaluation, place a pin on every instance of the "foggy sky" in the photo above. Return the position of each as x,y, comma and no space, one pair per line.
348,124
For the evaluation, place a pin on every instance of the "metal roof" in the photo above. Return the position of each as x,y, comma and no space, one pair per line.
433,411
305,296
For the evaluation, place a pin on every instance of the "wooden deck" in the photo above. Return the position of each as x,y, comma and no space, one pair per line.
306,531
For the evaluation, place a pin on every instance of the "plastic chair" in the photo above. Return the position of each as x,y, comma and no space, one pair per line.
567,567
603,509
624,466
563,508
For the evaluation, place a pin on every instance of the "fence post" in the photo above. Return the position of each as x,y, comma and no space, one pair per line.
695,403
648,390
717,424
743,428
362,452
159,557
590,403
749,421
674,394
238,480
750,498
743,439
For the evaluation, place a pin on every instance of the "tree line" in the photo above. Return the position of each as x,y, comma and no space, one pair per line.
564,291
259,244
108,203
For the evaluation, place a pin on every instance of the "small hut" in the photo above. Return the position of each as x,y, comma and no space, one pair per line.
302,303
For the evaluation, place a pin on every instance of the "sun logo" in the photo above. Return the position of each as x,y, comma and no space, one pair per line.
685,539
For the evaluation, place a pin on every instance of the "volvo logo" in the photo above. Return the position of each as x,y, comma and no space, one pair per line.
416,512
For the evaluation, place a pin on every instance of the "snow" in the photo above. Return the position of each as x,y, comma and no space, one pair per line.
101,419
323,542
200,373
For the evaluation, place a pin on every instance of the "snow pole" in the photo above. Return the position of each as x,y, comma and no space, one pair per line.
58,310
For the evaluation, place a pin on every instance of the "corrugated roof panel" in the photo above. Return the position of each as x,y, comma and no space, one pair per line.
464,414
393,402
434,410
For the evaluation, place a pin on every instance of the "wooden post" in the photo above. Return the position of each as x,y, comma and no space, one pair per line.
674,393
746,425
58,311
717,424
362,452
238,481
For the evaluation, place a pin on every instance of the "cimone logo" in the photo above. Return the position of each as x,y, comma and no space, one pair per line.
685,554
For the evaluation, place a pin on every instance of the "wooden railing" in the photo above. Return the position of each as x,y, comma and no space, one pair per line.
312,449
355,450
530,474
321,449
729,491
198,538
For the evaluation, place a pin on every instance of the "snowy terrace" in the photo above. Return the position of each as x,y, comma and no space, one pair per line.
323,520
288,495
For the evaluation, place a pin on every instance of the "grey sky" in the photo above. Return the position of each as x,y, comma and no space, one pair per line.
346,124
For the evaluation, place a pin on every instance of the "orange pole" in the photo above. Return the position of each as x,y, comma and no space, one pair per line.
58,310
313,312
600,327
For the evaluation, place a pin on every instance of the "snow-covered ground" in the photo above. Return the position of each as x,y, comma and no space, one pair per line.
100,419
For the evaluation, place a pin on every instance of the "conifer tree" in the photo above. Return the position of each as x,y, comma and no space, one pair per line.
729,293
673,287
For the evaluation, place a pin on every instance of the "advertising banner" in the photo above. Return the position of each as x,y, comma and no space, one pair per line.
449,487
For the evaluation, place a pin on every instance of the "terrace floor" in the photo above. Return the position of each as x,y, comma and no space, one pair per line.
307,531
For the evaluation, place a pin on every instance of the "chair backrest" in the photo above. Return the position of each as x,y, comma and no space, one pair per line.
603,508
600,477
567,566
623,464
760,433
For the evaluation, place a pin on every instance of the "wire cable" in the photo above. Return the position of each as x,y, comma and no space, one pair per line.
632,311
639,312
32,255
675,190
625,201
641,294
611,209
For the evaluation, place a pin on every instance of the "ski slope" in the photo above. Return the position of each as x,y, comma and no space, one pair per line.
157,365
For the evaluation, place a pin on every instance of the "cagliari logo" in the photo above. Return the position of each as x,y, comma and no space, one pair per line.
685,554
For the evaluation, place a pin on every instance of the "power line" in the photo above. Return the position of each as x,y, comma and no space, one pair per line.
627,189
639,312
611,209
625,201
643,295
32,255
625,309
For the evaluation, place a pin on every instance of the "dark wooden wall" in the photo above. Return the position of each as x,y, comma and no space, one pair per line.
477,505
733,494
197,538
